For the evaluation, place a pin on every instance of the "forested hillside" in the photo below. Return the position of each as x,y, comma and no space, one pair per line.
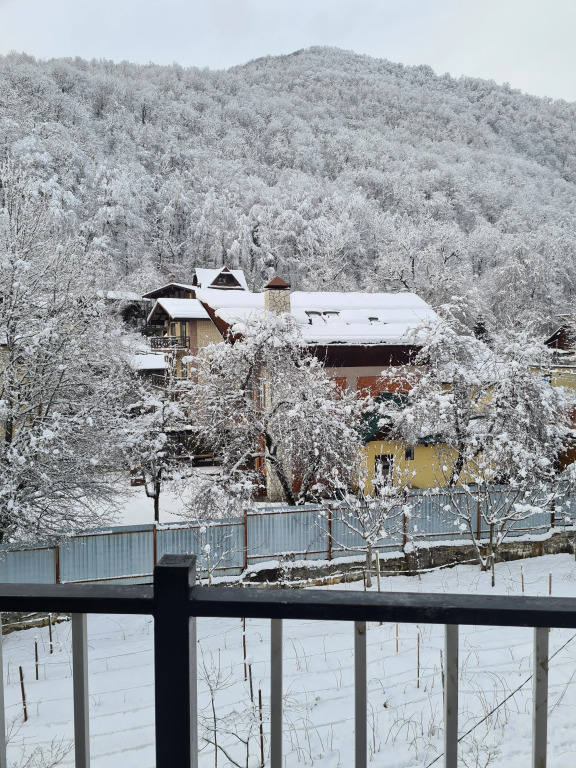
328,168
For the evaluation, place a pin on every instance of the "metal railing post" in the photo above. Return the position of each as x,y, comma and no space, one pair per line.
540,698
276,693
451,696
175,663
2,707
80,688
360,689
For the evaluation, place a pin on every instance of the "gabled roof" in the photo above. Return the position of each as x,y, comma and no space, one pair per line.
158,291
562,339
206,278
181,309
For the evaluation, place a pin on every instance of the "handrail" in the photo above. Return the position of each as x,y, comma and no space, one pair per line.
169,342
175,602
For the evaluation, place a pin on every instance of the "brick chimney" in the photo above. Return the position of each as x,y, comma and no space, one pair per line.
277,296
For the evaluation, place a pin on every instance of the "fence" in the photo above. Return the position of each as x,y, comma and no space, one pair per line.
229,547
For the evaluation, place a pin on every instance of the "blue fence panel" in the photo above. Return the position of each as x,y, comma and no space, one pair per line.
347,531
436,517
297,532
28,566
218,546
345,538
126,553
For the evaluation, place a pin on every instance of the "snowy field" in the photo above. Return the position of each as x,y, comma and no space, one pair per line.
405,710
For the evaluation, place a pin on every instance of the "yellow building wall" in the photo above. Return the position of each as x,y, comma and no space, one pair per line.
564,377
424,471
430,468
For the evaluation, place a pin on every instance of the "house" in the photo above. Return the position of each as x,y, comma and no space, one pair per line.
356,335
562,373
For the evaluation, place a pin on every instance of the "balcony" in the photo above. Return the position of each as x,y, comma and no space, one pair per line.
169,342
175,601
168,383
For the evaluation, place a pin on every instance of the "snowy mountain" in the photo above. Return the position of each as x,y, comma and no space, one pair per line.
334,170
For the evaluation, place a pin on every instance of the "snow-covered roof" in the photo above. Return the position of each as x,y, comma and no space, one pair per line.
219,299
358,318
182,309
119,295
334,318
205,277
148,362
152,294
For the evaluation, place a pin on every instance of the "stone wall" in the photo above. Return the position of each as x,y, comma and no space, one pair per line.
409,564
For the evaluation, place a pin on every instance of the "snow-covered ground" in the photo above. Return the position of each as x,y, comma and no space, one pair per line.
137,509
405,713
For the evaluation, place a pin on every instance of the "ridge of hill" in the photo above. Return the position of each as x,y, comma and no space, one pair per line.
330,168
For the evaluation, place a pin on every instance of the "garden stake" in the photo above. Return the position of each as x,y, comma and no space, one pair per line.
50,632
251,688
244,647
418,658
261,727
23,694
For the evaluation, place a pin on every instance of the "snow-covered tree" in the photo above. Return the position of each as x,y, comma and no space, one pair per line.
264,401
60,369
494,419
374,505
157,437
448,397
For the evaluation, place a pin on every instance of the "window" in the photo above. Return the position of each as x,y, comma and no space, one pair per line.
409,454
383,467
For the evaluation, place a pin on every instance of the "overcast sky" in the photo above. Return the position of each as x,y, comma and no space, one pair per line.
529,43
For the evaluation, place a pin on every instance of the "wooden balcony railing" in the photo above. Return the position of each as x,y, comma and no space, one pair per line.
169,342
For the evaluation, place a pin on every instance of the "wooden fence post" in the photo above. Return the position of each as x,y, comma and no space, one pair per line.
478,520
245,539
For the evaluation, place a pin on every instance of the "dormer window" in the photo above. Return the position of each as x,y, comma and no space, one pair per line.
314,317
225,280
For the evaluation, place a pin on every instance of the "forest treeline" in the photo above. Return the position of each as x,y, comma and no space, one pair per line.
332,169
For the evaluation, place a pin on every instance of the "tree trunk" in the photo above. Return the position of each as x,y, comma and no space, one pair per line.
275,465
157,488
369,566
490,557
456,470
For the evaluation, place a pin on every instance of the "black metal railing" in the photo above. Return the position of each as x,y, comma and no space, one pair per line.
169,342
175,602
